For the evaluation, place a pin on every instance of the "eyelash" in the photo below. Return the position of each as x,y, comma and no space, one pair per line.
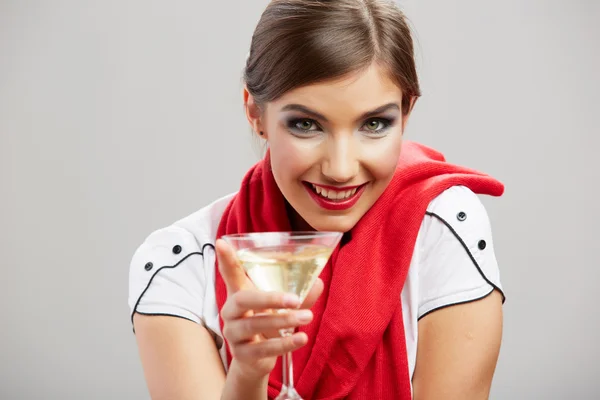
292,126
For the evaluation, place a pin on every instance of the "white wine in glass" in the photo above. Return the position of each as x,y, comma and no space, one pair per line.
287,262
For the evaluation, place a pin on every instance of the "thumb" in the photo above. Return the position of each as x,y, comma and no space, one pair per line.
232,272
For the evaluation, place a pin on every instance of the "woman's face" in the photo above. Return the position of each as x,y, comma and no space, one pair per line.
334,146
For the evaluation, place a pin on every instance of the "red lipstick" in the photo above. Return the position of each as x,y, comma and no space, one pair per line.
339,204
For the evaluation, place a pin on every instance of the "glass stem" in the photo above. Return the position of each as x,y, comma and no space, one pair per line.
288,372
284,372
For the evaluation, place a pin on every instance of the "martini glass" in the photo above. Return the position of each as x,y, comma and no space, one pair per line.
287,262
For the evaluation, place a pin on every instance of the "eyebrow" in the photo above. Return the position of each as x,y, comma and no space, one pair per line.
316,115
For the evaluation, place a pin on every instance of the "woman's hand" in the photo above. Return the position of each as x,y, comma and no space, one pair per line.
250,326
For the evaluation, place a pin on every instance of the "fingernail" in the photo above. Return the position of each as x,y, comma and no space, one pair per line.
299,339
290,300
304,316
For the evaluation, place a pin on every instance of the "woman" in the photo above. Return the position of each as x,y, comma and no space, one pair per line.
330,86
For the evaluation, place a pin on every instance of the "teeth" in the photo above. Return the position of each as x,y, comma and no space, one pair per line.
334,194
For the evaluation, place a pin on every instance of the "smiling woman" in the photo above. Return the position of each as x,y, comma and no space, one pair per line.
335,135
409,305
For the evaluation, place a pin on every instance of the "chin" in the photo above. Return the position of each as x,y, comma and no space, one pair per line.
342,223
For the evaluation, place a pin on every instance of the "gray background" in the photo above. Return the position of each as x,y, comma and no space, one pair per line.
118,117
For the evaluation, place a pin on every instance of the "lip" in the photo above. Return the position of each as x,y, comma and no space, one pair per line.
335,205
338,188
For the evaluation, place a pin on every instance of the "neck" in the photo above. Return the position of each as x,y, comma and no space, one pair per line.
296,221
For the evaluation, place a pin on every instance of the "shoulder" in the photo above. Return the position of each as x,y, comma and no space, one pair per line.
461,211
203,224
457,261
184,237
457,215
171,259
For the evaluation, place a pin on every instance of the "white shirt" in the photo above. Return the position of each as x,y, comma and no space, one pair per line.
173,270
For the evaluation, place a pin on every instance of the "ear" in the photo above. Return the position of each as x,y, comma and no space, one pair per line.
253,112
406,116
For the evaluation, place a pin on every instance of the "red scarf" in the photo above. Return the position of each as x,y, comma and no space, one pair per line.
356,347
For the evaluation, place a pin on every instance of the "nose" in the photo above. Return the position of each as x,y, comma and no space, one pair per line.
340,164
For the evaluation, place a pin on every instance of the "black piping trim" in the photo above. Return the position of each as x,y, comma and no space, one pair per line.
218,340
137,303
207,245
464,245
457,303
165,315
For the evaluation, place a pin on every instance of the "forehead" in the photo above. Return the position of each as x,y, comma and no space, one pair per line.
351,95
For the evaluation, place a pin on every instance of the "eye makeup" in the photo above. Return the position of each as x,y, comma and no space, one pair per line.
308,127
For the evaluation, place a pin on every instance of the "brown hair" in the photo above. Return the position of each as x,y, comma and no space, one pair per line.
300,42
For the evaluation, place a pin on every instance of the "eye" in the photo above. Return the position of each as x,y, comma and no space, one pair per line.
376,125
303,125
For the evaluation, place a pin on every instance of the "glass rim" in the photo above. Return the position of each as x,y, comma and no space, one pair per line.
298,235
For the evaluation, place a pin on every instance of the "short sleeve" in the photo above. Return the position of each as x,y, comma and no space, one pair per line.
167,276
457,259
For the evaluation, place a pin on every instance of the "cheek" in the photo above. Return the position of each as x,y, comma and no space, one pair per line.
381,159
287,158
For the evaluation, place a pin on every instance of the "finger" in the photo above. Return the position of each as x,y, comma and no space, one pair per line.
245,329
314,294
232,272
269,333
251,299
250,352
